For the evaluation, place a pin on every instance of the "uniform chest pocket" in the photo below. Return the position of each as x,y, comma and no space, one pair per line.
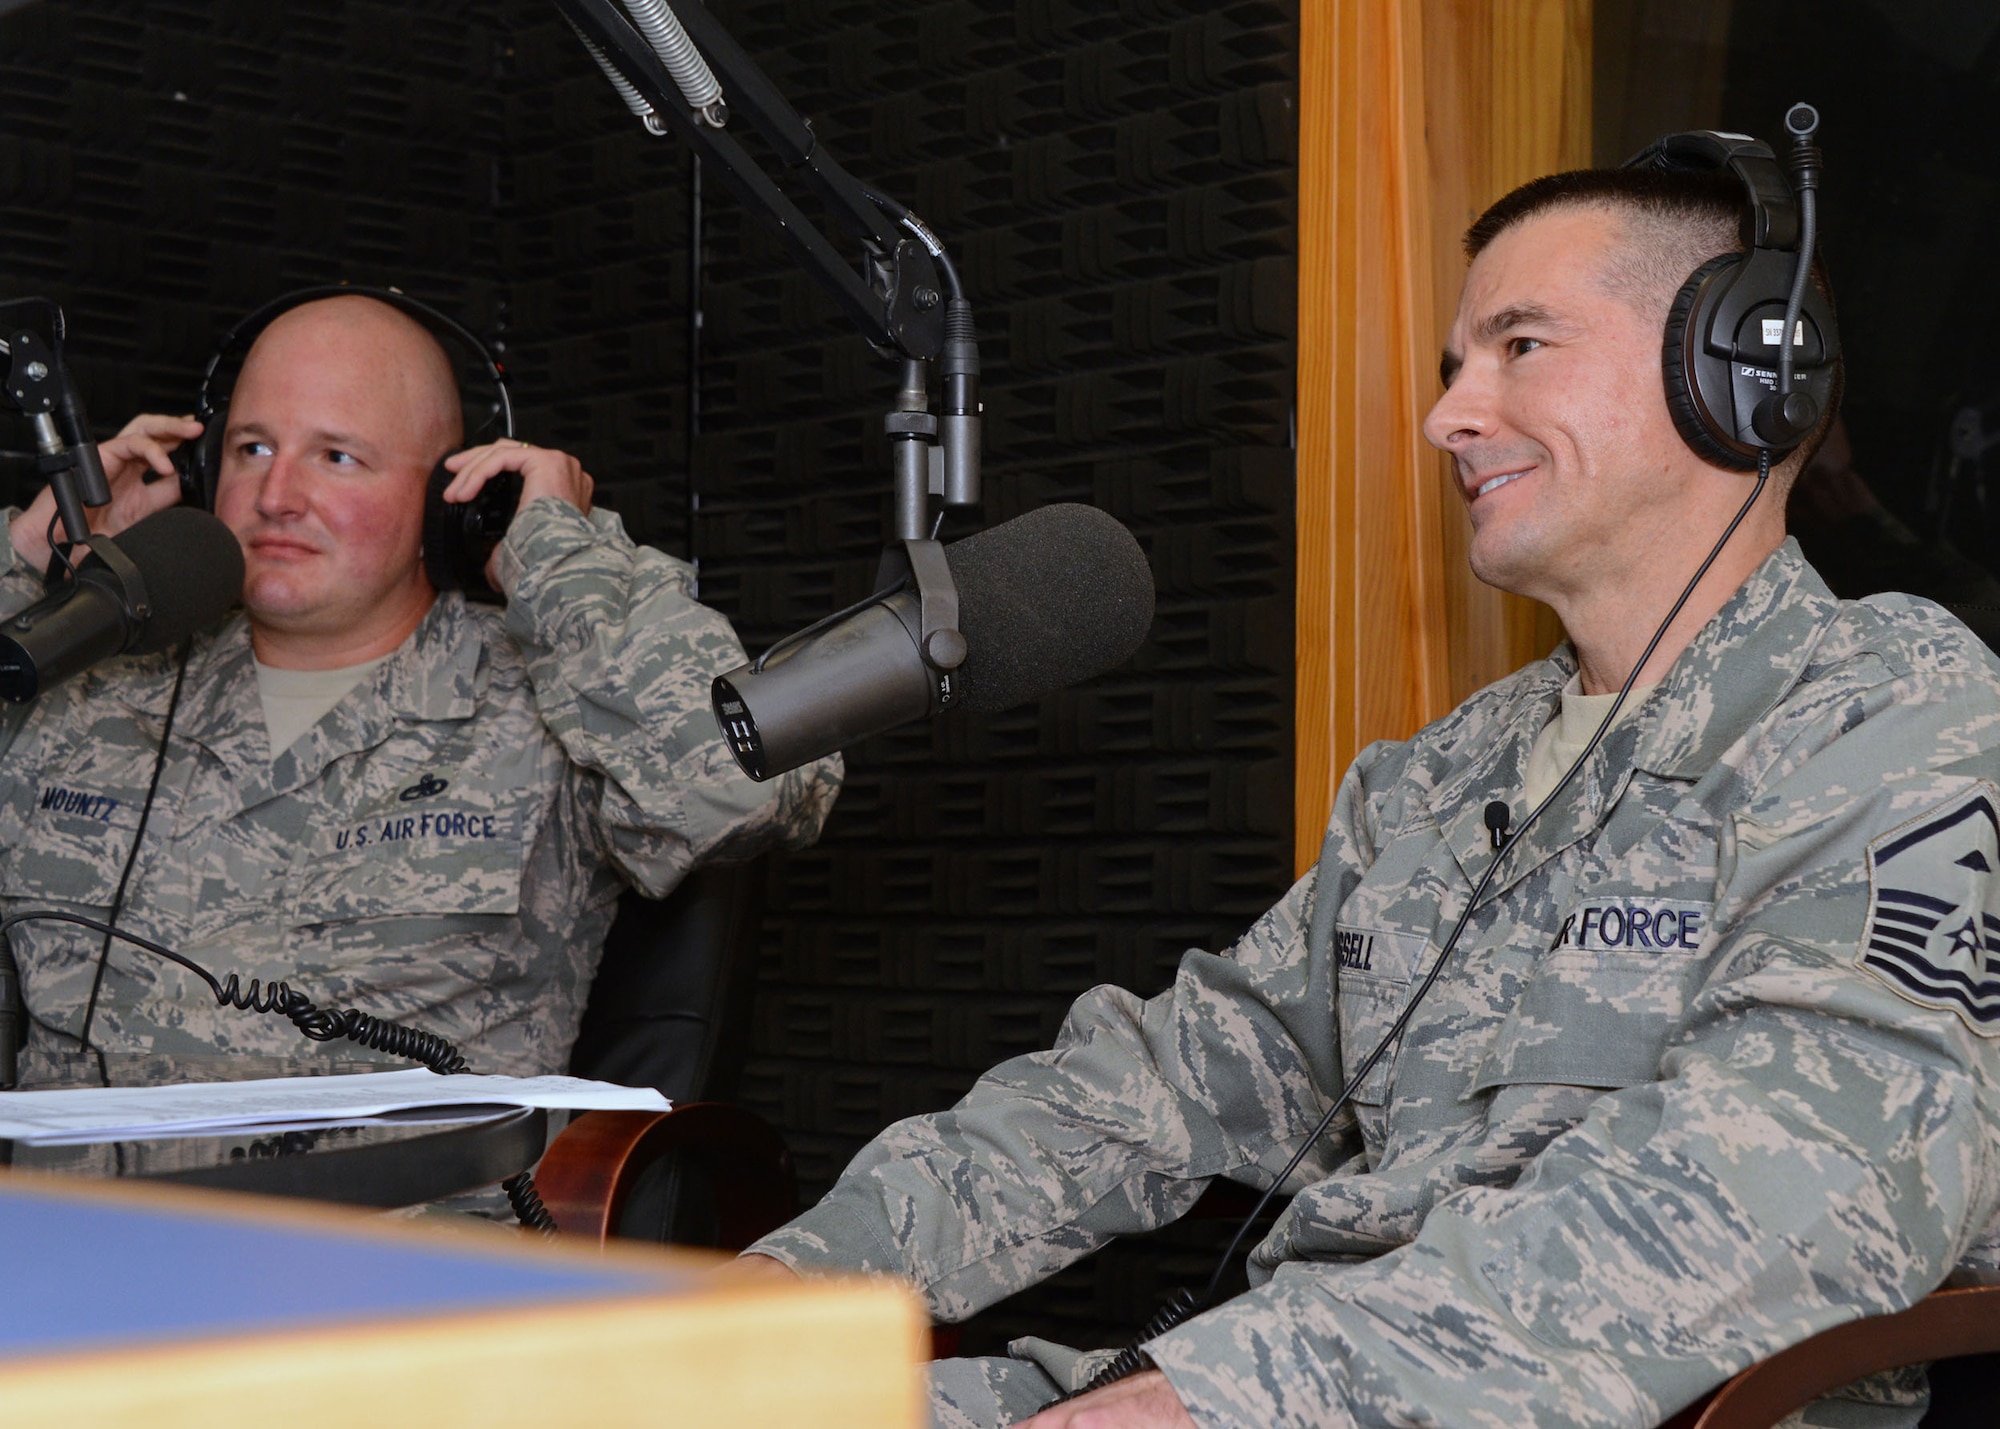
1376,968
435,861
1601,1007
79,829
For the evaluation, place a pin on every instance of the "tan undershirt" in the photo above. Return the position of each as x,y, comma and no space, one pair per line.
1564,737
296,700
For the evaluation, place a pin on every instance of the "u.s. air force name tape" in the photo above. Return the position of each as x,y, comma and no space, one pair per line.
1639,925
1932,932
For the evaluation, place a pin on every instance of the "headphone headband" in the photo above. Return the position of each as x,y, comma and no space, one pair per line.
1743,382
1771,210
243,332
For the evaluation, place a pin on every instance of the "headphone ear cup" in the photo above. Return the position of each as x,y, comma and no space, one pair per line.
442,541
460,536
199,462
1689,311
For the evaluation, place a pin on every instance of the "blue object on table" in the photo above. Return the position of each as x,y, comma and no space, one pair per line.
91,1273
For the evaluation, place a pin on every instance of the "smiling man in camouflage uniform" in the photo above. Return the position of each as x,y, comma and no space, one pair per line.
393,799
1714,1065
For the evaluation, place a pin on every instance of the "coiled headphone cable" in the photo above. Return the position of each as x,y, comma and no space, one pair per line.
321,1025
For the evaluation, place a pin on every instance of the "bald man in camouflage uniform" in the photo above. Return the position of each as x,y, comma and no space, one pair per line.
1714,1066
446,845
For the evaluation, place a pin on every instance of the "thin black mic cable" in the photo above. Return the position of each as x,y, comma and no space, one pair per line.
1183,1304
924,234
82,1037
131,859
58,550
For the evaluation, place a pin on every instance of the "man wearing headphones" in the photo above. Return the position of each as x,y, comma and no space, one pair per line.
1713,1065
396,801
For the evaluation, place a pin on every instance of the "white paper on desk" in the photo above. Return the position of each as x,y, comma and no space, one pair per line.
409,1116
212,1108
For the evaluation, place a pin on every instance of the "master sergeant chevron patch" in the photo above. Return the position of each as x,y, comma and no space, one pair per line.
1933,929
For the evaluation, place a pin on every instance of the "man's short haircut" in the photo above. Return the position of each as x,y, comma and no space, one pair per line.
1674,222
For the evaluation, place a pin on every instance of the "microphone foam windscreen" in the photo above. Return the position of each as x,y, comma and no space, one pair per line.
1045,600
193,569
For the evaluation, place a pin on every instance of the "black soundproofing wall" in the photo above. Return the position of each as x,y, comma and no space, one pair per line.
1117,181
167,165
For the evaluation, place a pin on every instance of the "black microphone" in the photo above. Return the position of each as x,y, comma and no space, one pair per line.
74,427
163,579
1045,600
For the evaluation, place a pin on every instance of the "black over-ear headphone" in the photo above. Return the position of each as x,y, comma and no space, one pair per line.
458,537
1721,350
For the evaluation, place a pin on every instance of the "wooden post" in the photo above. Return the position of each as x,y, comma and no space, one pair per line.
1414,115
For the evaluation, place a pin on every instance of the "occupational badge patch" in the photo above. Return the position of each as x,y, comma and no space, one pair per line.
1933,930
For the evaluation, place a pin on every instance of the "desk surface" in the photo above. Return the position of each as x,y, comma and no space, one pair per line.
129,1304
129,1271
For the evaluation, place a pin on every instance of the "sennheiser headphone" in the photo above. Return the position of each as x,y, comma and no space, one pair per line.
1722,353
458,536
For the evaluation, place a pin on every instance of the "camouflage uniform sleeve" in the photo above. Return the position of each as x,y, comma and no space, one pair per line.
620,656
1820,1147
20,587
1118,1128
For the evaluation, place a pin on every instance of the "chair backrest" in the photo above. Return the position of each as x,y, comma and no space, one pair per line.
671,1009
671,1004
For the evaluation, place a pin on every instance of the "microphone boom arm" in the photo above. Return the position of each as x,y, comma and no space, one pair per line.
39,385
888,304
897,303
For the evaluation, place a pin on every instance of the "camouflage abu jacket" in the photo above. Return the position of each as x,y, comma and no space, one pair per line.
445,847
1715,1068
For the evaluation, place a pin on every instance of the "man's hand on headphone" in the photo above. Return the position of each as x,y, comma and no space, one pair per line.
544,472
140,470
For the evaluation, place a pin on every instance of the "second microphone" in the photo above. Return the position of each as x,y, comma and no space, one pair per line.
1050,598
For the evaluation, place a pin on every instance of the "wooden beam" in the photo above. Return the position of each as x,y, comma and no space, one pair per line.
1371,652
1414,115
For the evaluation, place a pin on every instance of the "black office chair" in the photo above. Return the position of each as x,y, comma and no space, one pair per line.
671,1009
671,1004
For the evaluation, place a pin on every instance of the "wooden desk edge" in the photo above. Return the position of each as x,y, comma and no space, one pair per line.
833,1353
712,1349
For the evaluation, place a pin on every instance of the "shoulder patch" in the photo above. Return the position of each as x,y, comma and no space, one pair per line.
1933,929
